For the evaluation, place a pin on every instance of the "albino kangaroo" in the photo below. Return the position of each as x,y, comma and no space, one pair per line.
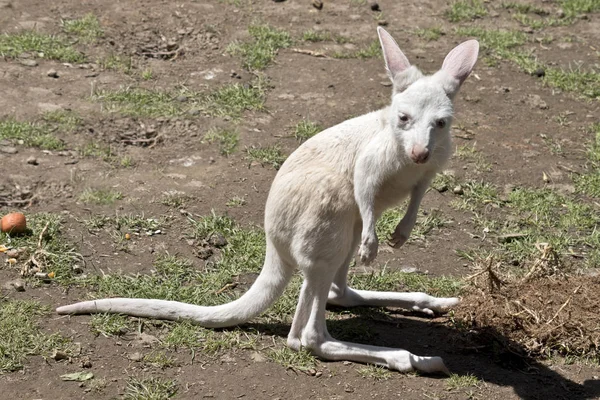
324,202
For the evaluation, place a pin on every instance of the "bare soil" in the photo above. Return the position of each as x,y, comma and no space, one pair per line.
492,111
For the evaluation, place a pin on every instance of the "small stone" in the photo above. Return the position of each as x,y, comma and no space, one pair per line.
77,269
217,240
211,160
458,190
8,150
560,13
204,253
441,188
382,22
257,357
58,355
318,4
18,285
318,374
52,73
32,160
172,45
86,363
13,253
29,63
540,73
182,99
136,357
374,6
535,101
193,111
409,270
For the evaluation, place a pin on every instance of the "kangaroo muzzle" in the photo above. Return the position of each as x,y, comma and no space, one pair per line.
419,154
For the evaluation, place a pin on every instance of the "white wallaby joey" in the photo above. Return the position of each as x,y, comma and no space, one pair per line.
324,203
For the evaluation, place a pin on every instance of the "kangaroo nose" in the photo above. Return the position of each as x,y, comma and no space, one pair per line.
419,154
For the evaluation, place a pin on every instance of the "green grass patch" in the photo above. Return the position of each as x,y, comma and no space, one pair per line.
455,382
139,102
259,53
21,334
227,101
116,62
572,8
503,44
210,342
496,40
109,324
390,280
431,34
100,196
227,140
306,129
55,253
527,217
41,45
269,155
426,222
30,134
236,201
296,360
232,100
466,10
174,199
160,359
372,50
469,153
150,389
86,28
524,8
63,119
374,372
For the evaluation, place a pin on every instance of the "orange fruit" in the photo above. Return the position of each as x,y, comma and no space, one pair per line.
13,223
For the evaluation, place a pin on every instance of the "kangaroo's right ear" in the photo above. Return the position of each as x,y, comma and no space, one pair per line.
395,60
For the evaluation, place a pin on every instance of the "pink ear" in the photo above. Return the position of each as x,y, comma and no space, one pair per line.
395,60
460,61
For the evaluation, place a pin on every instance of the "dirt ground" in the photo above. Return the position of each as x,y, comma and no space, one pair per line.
495,110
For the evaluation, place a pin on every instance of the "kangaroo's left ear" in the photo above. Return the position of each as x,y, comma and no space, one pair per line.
459,63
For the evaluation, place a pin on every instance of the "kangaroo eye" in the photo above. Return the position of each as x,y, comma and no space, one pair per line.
440,123
404,118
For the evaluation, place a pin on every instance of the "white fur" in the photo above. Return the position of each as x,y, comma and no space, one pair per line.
324,203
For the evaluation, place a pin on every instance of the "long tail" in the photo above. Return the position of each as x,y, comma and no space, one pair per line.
267,288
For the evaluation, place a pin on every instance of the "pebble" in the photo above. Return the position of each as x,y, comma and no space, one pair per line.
182,99
32,160
58,355
382,22
193,111
458,190
8,150
52,73
374,6
17,284
29,63
540,72
318,4
217,240
137,356
77,269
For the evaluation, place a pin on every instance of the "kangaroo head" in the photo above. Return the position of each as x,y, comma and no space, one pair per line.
421,112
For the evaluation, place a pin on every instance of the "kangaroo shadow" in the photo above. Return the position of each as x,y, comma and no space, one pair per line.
486,354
